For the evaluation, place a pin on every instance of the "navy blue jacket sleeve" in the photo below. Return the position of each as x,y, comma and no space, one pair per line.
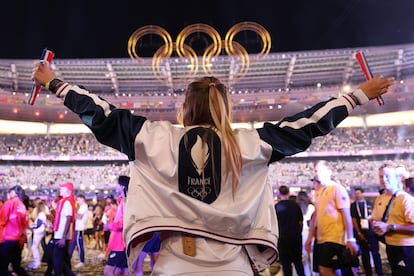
294,134
111,126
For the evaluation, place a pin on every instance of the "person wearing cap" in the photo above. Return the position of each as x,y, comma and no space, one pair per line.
117,263
63,228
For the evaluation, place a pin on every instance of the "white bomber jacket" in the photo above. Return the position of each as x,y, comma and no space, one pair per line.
166,192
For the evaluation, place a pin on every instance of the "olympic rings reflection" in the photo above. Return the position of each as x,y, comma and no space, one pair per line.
183,50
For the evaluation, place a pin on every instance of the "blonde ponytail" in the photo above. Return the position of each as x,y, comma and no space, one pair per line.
221,115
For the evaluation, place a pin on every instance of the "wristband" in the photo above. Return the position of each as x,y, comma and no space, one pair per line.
53,84
351,240
47,85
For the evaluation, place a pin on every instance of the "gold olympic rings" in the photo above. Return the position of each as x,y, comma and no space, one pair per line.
183,50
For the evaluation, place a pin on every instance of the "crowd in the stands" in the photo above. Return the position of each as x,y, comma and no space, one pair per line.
356,171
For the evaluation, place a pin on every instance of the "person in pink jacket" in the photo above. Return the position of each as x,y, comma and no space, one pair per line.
13,225
117,260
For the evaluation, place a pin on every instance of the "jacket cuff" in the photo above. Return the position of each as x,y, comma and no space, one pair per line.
360,95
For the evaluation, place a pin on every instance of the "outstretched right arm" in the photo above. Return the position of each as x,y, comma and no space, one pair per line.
294,134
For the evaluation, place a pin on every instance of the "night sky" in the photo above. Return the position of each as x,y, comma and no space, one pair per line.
100,29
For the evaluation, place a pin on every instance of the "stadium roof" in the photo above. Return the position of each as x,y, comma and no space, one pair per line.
262,87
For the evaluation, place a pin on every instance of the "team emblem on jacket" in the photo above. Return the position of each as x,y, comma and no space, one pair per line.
199,169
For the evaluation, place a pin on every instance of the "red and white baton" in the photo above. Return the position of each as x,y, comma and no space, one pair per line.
367,72
47,56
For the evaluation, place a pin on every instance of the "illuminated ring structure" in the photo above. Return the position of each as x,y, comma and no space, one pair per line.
231,48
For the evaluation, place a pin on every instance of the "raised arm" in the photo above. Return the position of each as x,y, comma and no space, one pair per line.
111,126
295,133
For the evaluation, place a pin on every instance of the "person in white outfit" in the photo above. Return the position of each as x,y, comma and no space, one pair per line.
80,227
38,228
307,208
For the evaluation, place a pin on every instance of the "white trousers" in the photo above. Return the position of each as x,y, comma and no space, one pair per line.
212,258
37,238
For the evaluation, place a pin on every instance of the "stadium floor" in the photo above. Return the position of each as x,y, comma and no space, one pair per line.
94,265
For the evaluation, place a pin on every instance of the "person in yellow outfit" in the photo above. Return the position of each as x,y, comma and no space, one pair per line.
395,221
